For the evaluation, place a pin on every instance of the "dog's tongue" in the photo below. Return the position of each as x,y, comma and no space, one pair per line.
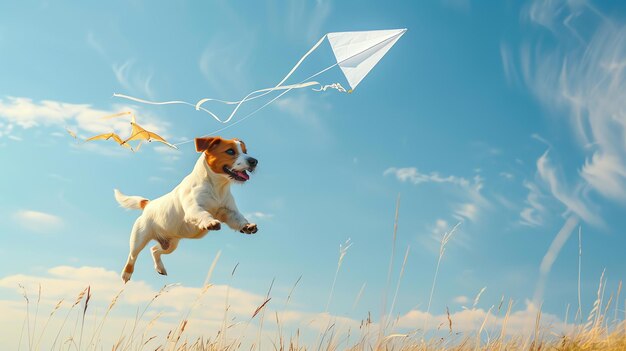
243,174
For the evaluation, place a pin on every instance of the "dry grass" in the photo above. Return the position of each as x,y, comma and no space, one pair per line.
601,330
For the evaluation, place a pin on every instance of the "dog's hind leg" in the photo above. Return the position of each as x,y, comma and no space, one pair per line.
139,237
164,247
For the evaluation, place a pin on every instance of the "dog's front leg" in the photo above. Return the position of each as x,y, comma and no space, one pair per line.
200,217
235,220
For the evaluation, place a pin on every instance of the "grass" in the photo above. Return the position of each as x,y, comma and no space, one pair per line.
601,330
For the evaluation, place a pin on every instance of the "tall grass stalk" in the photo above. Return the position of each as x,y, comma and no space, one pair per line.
343,250
442,248
579,312
262,309
395,295
383,312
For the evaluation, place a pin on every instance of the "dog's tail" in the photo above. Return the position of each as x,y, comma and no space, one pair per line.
131,202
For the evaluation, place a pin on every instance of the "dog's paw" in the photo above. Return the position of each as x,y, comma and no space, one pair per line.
212,224
127,272
126,276
249,228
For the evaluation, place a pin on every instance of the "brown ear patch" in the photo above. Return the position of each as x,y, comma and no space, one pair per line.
206,143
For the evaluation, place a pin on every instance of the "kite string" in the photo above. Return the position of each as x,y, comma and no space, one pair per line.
293,69
265,91
323,87
262,107
250,96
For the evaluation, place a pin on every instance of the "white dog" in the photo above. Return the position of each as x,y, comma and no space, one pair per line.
198,204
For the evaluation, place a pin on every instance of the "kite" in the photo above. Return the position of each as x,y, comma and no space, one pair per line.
137,133
356,54
108,136
71,133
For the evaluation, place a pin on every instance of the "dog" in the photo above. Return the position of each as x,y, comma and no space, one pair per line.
199,204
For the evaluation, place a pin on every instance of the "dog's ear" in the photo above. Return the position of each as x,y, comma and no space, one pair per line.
207,143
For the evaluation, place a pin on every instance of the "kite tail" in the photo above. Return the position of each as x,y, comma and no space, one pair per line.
130,202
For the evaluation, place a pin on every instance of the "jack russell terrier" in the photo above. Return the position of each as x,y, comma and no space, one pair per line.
201,202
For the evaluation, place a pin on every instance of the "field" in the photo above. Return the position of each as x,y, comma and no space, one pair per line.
77,325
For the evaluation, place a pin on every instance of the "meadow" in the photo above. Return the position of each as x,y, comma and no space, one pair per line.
76,325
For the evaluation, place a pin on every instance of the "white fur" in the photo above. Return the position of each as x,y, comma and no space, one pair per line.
130,202
198,204
241,162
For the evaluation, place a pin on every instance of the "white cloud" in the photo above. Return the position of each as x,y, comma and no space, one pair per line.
466,210
520,322
252,216
461,300
472,201
507,175
36,221
607,174
80,118
411,174
440,228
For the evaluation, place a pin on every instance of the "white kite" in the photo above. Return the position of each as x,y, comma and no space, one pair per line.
356,54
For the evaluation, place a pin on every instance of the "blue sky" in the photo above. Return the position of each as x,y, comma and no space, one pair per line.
507,117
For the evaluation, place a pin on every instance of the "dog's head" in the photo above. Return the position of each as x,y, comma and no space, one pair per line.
228,158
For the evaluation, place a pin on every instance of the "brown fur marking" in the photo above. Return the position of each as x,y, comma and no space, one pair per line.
165,244
129,268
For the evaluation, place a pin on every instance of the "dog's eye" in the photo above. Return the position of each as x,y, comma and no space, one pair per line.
230,151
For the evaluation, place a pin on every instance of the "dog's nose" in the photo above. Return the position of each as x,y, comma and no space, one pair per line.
252,161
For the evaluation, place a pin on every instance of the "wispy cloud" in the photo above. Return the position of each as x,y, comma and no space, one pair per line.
411,174
95,44
134,80
36,221
572,199
472,200
582,73
552,254
507,175
532,214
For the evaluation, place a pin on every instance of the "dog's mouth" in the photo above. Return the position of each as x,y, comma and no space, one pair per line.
240,176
